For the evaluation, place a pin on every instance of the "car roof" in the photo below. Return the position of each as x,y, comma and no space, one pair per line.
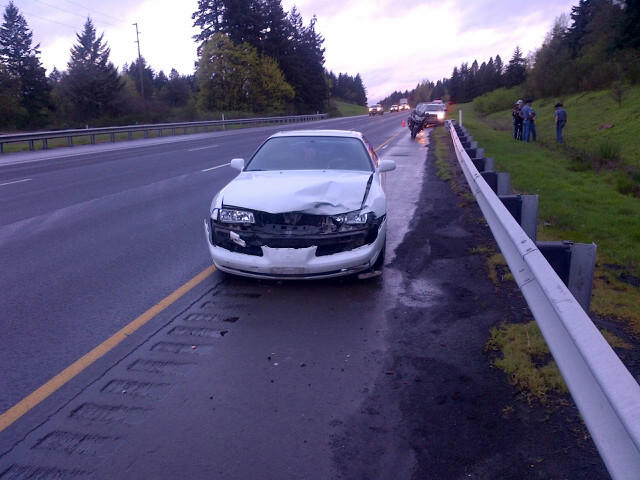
319,133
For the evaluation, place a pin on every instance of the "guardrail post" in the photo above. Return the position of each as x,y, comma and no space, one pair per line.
524,209
575,265
31,147
500,182
45,144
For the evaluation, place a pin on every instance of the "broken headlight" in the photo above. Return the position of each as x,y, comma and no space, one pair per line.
351,218
232,215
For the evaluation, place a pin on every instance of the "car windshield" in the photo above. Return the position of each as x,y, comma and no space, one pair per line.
311,153
435,106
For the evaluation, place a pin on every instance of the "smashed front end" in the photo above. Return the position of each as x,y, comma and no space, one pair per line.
294,244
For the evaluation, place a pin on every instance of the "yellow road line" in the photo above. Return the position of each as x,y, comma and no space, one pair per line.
388,141
27,403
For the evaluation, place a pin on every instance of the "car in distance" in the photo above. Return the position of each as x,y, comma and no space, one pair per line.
376,109
308,204
394,108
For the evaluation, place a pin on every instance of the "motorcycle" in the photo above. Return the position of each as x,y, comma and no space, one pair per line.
416,121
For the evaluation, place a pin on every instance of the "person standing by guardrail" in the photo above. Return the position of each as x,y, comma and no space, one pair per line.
560,121
528,116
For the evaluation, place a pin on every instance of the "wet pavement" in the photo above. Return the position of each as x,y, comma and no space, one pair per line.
386,378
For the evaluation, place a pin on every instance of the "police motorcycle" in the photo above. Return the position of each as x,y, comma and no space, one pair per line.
416,121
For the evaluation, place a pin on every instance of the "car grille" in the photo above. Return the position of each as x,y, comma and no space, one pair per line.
294,230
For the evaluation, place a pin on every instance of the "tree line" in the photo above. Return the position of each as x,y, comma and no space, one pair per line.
596,46
253,58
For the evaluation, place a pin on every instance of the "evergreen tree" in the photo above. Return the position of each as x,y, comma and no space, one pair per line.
455,86
12,113
631,24
91,83
133,71
581,15
303,65
209,18
552,63
361,92
176,92
516,71
22,64
499,71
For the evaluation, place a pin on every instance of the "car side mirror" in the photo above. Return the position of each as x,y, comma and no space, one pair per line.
386,166
237,163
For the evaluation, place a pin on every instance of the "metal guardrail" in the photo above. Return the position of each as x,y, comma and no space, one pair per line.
605,392
160,128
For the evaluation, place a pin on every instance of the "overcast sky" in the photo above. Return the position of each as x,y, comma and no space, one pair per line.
392,44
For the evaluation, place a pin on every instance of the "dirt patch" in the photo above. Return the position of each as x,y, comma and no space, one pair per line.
440,410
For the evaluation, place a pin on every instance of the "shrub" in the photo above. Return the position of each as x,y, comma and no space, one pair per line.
610,152
498,100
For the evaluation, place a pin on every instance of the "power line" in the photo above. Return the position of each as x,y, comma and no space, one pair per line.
95,11
44,18
72,13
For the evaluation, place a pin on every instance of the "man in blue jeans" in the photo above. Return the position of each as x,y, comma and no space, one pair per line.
560,121
528,116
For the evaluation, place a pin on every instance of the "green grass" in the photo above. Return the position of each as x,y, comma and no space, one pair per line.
343,109
526,359
580,205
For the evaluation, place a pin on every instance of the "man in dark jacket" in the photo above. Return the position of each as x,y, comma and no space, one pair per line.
517,121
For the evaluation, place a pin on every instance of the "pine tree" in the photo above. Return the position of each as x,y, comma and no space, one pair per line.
209,18
22,65
91,83
147,77
631,26
516,71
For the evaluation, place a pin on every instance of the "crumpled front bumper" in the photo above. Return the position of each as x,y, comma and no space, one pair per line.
296,263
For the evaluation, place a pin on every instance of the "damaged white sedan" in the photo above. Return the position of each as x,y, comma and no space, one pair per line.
307,205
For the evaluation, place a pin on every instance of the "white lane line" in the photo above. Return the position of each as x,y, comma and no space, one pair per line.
17,181
201,148
213,168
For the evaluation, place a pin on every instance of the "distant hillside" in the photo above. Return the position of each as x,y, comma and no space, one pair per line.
344,109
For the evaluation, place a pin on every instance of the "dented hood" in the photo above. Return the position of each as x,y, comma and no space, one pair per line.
313,192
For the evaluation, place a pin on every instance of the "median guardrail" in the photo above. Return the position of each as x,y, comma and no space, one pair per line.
161,129
605,392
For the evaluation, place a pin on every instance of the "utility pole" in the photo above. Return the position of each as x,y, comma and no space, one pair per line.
140,67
